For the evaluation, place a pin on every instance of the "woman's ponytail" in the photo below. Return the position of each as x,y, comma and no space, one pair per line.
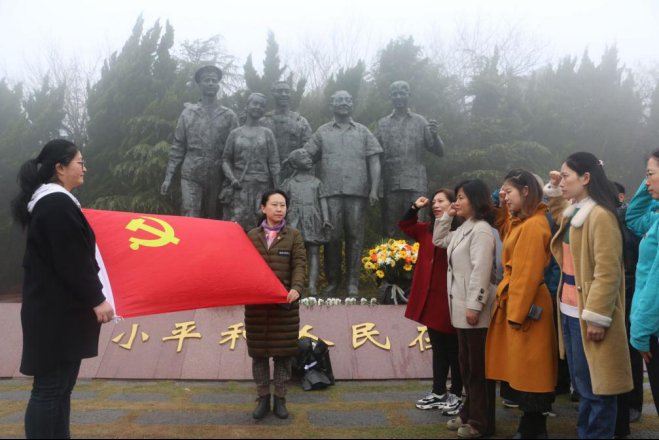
36,172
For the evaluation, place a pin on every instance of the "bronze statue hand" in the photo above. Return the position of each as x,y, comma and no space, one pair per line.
433,126
164,189
373,197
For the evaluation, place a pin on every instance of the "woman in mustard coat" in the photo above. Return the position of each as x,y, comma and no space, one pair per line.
521,342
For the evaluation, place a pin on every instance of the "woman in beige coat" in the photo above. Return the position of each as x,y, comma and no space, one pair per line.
588,248
470,250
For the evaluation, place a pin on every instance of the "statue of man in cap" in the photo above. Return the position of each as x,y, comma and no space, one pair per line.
199,139
404,136
291,129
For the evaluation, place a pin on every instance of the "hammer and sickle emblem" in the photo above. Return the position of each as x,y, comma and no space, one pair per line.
164,236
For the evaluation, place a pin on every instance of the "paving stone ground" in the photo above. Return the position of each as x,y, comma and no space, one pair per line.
198,409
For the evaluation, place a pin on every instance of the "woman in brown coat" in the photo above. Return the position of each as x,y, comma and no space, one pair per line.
272,330
521,341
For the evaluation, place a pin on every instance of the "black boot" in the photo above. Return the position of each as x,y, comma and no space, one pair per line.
262,407
533,425
279,408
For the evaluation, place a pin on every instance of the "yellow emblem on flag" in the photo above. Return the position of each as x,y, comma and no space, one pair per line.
164,236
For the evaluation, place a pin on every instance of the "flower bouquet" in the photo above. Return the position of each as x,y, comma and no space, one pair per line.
392,263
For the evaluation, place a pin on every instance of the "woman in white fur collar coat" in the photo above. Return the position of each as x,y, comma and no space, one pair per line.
588,247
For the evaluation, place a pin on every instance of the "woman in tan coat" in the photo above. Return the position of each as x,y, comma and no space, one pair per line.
588,248
521,341
272,329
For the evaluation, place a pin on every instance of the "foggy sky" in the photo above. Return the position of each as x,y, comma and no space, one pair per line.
93,29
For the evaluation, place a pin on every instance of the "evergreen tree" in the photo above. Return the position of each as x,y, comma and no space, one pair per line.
27,122
133,104
272,71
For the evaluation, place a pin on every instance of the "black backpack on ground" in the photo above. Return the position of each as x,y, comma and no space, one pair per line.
313,364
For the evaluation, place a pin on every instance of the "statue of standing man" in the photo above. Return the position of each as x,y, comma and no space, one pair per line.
291,129
348,157
403,136
199,139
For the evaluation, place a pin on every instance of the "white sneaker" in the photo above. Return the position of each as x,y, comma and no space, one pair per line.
429,398
434,401
453,406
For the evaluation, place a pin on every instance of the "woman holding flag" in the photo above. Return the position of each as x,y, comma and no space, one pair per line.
63,302
273,329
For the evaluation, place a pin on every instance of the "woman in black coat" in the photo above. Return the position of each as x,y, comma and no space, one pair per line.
63,304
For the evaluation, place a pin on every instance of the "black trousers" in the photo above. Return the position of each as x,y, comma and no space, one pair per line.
636,395
49,409
634,398
653,371
445,357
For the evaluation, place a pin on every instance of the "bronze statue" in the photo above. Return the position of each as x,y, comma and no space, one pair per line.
199,139
348,157
251,164
404,136
291,130
309,212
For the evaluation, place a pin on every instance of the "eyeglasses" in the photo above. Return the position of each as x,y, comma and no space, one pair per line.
81,163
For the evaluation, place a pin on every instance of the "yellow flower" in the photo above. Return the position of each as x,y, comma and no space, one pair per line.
392,263
407,267
379,274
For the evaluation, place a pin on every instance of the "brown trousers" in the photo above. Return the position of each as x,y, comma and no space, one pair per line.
281,375
478,408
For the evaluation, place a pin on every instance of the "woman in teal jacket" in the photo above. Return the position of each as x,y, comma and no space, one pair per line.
643,220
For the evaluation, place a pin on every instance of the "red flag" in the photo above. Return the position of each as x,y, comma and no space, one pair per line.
158,264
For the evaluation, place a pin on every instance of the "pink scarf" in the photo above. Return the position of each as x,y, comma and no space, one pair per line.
271,232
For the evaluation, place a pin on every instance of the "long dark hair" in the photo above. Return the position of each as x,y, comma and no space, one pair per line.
480,199
521,179
600,188
266,196
450,195
38,171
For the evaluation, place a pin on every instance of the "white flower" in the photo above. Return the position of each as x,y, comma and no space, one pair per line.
363,301
305,302
374,301
313,302
321,302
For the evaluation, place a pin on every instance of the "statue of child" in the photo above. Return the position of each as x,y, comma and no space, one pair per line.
309,212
